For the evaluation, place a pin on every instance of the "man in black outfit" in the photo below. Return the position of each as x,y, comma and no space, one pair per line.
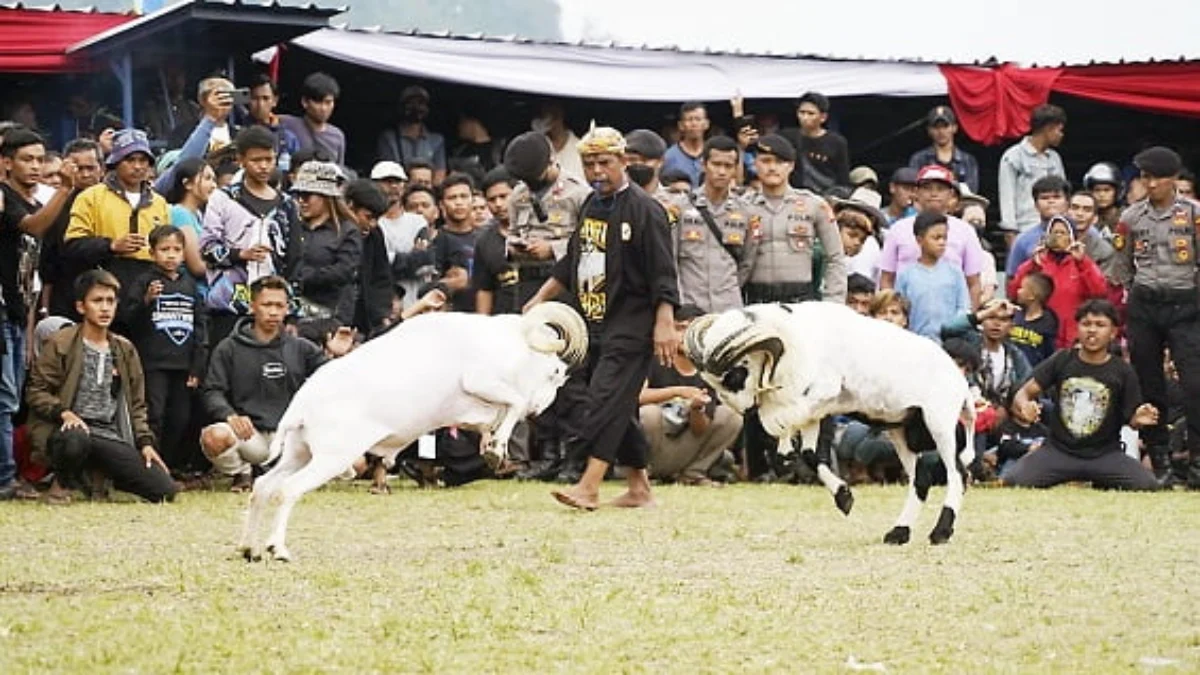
1094,394
373,301
620,269
824,154
496,275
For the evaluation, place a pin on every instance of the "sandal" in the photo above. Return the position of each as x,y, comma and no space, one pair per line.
243,482
57,497
700,481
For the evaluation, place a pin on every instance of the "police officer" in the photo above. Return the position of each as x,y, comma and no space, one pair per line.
543,212
1156,244
778,266
644,152
710,237
785,224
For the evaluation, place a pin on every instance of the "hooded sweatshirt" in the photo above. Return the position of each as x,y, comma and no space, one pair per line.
1074,282
257,379
170,332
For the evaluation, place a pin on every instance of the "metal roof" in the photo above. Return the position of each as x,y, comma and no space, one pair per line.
614,44
59,8
259,24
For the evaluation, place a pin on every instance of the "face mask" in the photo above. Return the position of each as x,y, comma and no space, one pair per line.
642,174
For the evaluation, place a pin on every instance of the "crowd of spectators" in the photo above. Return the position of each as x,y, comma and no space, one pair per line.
161,308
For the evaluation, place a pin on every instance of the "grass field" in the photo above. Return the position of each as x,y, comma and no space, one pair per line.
497,577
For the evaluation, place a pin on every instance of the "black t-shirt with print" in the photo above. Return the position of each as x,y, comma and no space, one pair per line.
1035,337
1091,402
11,247
493,272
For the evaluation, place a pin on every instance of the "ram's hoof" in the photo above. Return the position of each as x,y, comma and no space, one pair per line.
945,527
844,499
897,535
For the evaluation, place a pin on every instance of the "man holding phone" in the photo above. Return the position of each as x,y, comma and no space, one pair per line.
217,95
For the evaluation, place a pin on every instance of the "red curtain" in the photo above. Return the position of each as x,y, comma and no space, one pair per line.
995,103
1158,87
33,41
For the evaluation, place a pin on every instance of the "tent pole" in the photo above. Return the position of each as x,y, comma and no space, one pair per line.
122,68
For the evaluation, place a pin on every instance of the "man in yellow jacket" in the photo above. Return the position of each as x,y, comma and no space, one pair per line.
110,222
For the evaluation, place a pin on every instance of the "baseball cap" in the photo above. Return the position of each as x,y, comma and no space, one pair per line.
863,174
941,114
388,169
904,176
935,172
774,144
128,142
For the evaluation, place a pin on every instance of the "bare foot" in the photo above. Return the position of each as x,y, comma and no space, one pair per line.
634,500
578,499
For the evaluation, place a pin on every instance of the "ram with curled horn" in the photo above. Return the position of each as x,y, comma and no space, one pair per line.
483,373
798,364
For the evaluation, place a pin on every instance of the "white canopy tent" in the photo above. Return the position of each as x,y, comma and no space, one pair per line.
620,73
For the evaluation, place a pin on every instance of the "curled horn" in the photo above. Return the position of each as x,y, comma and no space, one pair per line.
570,342
693,339
749,338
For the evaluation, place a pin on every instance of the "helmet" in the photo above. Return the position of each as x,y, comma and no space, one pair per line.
1104,173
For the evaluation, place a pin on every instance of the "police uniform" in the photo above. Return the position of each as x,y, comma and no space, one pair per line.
560,205
708,264
1156,261
778,260
779,265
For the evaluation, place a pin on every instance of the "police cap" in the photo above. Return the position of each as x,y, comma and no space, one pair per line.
645,143
774,144
1158,162
528,156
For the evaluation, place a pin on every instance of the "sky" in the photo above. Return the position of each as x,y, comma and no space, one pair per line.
1022,31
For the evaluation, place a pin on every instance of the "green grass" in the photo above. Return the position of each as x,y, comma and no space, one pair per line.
498,577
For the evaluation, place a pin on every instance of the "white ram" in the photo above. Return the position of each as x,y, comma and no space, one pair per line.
484,373
802,363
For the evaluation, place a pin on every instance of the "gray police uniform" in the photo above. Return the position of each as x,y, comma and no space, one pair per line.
1156,261
778,261
708,265
560,204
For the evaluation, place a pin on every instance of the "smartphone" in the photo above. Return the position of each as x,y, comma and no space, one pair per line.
241,96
